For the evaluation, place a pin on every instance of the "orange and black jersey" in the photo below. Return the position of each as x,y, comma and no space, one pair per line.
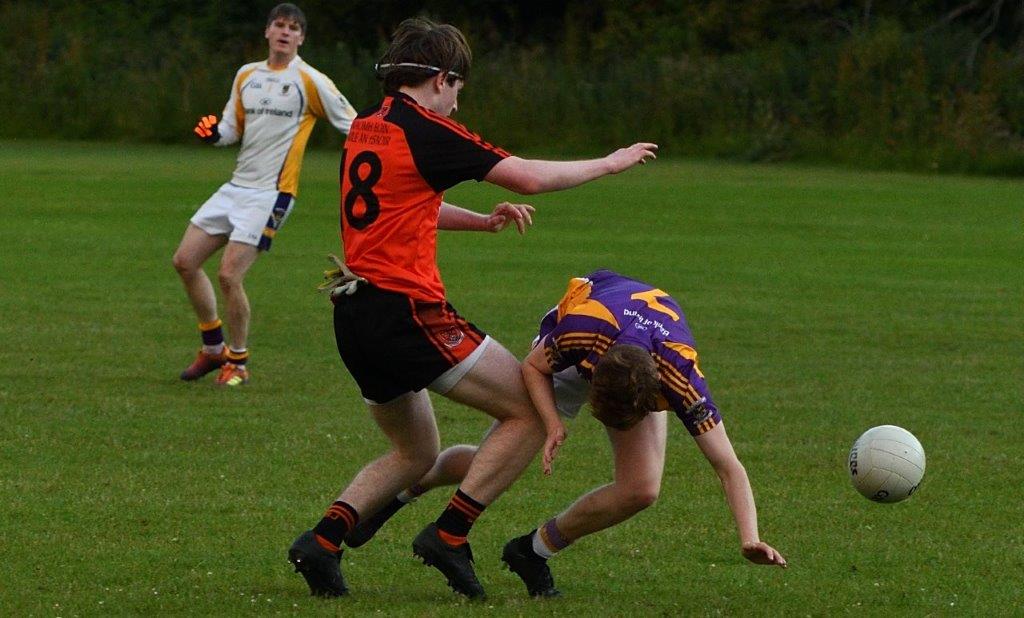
399,158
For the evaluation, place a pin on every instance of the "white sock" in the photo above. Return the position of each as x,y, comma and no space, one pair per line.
540,547
213,350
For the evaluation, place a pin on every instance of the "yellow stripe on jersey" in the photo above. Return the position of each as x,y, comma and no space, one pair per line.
706,426
588,342
584,337
594,309
680,385
677,381
316,106
686,352
288,182
577,292
239,107
583,341
651,298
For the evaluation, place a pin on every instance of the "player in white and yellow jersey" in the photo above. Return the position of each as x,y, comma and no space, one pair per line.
272,109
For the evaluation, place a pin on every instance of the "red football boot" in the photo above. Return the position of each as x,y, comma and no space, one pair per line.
204,364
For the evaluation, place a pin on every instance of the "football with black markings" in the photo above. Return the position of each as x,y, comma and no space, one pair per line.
886,463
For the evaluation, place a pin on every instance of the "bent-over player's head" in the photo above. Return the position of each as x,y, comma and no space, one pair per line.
290,12
625,387
421,50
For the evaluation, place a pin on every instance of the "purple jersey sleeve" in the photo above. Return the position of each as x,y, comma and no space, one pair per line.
685,389
577,340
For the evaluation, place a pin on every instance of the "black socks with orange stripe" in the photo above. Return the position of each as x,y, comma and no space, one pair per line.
339,519
454,523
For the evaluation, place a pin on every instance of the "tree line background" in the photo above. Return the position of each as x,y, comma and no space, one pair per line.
916,84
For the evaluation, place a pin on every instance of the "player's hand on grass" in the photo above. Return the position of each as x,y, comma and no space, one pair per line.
505,213
762,553
206,129
625,158
556,436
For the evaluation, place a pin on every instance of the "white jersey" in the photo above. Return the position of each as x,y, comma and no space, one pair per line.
273,113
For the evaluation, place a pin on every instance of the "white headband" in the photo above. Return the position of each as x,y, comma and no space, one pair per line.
412,65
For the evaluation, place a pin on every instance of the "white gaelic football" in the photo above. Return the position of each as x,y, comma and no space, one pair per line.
886,463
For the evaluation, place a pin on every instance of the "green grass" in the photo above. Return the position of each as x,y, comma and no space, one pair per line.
824,302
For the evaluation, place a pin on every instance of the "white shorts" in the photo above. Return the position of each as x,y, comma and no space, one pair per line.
571,389
243,214
571,392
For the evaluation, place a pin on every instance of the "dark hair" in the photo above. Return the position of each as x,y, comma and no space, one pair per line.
418,40
288,10
625,387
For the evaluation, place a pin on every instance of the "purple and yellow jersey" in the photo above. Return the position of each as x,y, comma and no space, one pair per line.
605,308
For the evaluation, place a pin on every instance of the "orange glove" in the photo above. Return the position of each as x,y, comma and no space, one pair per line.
206,129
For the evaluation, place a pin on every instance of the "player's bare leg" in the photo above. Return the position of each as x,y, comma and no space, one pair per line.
452,465
195,248
234,264
449,468
639,464
495,386
409,424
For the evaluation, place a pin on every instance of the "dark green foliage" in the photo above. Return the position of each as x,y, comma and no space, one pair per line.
926,84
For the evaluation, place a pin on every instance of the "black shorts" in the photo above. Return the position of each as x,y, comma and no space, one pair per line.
392,344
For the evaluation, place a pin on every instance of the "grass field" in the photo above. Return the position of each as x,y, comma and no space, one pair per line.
824,302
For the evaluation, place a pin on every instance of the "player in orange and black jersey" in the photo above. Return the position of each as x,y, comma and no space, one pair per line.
395,331
398,161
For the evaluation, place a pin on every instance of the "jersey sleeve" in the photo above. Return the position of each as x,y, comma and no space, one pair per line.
232,121
685,390
446,153
325,101
573,340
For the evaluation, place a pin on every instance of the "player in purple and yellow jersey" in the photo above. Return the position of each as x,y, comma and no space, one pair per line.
626,347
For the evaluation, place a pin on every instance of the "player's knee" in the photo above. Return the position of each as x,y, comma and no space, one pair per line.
531,427
638,498
229,279
421,460
183,264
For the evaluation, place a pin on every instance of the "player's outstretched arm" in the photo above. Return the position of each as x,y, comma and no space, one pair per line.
718,449
529,176
455,218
